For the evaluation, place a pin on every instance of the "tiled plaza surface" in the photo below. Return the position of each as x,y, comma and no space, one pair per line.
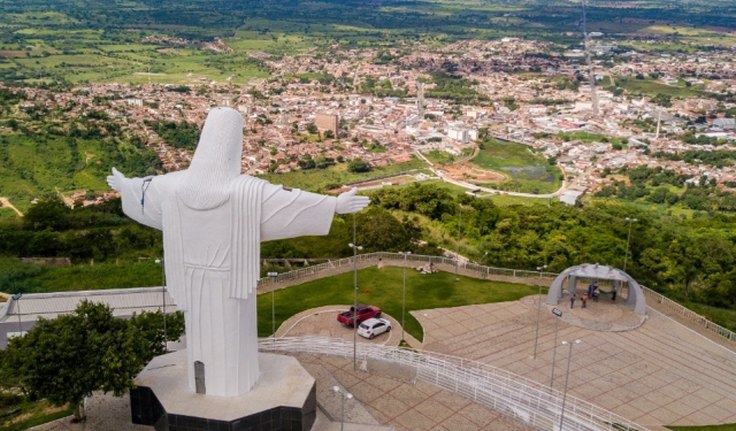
398,404
379,404
655,373
660,373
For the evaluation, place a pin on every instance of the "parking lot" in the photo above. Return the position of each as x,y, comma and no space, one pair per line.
322,322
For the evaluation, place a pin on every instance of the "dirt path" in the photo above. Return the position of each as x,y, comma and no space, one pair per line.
466,171
5,203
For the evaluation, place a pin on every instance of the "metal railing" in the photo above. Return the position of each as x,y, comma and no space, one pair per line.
345,264
479,271
523,399
688,314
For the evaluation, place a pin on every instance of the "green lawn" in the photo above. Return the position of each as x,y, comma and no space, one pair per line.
33,413
383,288
439,157
323,180
652,87
588,137
528,171
108,275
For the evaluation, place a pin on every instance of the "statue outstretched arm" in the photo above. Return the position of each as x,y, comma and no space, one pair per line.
349,202
291,213
141,197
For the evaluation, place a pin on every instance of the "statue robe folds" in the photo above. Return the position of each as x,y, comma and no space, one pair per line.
212,263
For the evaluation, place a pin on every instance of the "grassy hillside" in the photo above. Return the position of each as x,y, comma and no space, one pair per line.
34,165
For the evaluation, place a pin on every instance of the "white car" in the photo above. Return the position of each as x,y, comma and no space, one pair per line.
373,326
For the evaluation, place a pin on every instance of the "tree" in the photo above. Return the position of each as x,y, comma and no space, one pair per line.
381,231
49,213
358,165
65,359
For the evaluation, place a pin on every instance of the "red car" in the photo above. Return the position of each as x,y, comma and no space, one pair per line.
365,312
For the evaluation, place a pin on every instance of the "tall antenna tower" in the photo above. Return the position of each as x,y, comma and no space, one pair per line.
591,72
355,81
420,99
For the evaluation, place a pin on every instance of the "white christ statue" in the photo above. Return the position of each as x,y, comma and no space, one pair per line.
213,221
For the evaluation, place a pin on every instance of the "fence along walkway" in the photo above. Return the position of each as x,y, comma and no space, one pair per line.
470,269
535,404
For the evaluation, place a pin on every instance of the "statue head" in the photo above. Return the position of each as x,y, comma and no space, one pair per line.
216,160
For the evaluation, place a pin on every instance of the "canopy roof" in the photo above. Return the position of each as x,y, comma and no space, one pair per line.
598,272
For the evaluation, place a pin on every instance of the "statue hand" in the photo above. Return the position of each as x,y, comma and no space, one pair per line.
349,202
115,181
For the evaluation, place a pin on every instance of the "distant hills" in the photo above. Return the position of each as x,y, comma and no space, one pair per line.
136,41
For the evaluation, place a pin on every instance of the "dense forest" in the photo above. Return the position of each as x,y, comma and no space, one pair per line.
691,259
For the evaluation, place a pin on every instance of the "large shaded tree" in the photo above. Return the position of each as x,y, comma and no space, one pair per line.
65,359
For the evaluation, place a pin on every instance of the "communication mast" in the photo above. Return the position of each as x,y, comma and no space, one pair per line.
420,99
591,72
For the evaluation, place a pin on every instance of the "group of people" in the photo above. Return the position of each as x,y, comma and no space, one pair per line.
593,292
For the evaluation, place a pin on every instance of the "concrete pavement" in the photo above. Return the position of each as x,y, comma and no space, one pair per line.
657,373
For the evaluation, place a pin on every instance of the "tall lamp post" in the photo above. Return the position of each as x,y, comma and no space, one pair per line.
345,395
567,377
539,308
163,298
403,292
272,276
16,297
355,299
629,220
558,313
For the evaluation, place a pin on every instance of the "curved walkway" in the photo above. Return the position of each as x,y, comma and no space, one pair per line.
322,321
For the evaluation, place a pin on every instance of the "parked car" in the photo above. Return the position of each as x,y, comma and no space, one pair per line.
372,327
365,312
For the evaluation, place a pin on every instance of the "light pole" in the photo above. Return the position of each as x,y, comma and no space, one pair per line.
163,298
272,276
403,293
567,377
16,297
344,395
628,239
539,308
557,312
355,297
460,236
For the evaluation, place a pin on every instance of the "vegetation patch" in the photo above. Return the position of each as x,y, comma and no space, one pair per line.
30,413
529,172
383,288
322,180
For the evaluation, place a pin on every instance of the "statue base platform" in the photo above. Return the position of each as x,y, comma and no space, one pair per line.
283,399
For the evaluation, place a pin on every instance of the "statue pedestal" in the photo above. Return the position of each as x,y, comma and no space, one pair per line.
283,399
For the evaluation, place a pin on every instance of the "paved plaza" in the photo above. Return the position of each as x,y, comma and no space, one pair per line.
379,404
657,373
653,370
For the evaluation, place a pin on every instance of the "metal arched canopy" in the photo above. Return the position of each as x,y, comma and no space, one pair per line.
599,272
